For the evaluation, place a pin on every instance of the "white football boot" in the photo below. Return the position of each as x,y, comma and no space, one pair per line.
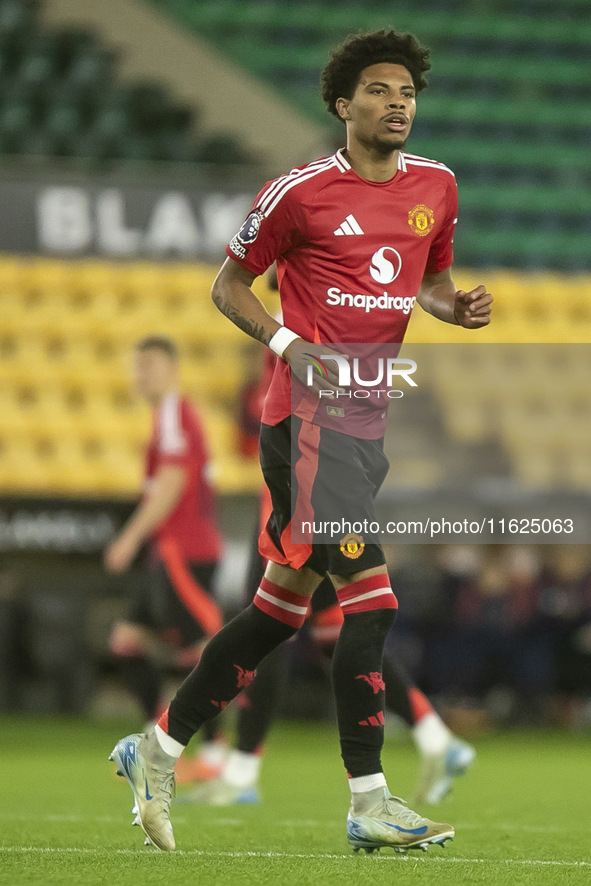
378,819
150,774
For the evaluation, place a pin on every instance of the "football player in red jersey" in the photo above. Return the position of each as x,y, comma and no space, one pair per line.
177,517
443,756
356,237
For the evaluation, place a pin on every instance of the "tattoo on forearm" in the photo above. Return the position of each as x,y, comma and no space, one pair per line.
244,323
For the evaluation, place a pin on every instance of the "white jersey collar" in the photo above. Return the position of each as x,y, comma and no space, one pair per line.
344,164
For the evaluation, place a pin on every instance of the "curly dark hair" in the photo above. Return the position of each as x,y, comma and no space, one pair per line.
341,75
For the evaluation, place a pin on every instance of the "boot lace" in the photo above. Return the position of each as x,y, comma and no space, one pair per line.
399,807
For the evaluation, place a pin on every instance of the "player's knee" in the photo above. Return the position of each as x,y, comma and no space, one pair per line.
370,595
367,629
284,596
127,640
381,620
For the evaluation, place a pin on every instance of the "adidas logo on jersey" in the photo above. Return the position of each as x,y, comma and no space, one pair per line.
349,228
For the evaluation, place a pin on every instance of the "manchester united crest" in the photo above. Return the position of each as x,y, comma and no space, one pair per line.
352,546
421,219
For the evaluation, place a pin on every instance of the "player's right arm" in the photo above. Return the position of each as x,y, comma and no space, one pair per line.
232,294
267,232
277,224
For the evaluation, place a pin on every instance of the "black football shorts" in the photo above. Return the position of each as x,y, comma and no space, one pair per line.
320,474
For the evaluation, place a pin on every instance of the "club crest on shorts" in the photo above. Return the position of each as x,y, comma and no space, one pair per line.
352,546
421,219
250,229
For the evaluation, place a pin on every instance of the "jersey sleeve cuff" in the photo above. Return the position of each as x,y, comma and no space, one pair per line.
250,266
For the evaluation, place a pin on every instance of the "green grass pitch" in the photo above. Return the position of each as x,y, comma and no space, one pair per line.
521,816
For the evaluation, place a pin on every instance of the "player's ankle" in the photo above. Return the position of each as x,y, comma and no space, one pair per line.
367,791
163,747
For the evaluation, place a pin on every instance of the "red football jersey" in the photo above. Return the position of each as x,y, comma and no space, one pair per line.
350,253
178,439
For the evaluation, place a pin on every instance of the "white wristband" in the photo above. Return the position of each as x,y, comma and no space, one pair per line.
282,339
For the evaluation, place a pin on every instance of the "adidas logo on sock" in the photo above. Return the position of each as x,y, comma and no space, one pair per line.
378,720
350,227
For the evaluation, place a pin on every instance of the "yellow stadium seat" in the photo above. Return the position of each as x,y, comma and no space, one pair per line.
27,464
233,474
467,421
191,279
535,471
575,466
220,430
90,276
12,272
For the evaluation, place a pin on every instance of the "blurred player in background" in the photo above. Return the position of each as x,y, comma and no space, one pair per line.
331,226
176,516
444,757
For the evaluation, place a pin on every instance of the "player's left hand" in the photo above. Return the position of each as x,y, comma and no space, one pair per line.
120,553
472,309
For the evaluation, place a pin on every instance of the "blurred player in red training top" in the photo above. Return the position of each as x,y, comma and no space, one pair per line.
177,517
358,238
